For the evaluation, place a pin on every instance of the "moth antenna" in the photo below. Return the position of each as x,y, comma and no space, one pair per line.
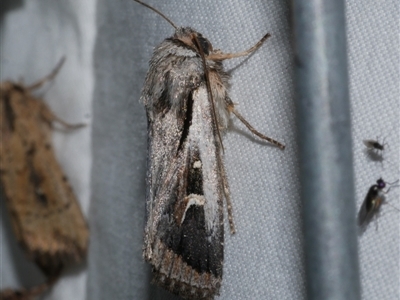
260,135
222,56
158,12
48,77
207,79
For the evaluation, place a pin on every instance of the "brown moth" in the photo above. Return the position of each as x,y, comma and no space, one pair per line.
46,217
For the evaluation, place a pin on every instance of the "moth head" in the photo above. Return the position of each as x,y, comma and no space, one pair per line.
188,36
193,39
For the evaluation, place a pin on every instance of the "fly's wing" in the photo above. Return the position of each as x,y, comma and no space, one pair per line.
370,206
46,217
184,231
369,143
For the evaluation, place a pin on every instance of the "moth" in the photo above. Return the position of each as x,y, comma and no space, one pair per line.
46,218
373,202
188,107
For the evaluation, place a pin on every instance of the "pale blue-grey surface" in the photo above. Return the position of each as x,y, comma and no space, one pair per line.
108,45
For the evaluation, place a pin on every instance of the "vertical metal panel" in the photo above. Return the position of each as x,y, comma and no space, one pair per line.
322,102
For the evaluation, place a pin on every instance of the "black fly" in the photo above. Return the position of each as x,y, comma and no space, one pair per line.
373,201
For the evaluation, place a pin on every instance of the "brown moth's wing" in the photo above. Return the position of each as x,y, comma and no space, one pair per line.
45,214
184,231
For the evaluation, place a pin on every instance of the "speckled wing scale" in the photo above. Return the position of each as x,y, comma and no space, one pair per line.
184,232
187,103
45,214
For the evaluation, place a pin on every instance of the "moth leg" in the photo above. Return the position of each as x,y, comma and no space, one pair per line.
68,125
227,196
48,77
254,131
40,289
31,293
50,117
222,56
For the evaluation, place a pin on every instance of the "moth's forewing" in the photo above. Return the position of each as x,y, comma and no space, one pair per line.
184,231
45,214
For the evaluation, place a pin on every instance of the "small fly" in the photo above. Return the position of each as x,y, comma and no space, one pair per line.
375,149
374,145
373,201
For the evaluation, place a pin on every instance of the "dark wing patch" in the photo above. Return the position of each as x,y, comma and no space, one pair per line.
189,239
187,121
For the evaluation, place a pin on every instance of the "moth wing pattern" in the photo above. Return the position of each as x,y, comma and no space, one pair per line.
45,215
185,190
